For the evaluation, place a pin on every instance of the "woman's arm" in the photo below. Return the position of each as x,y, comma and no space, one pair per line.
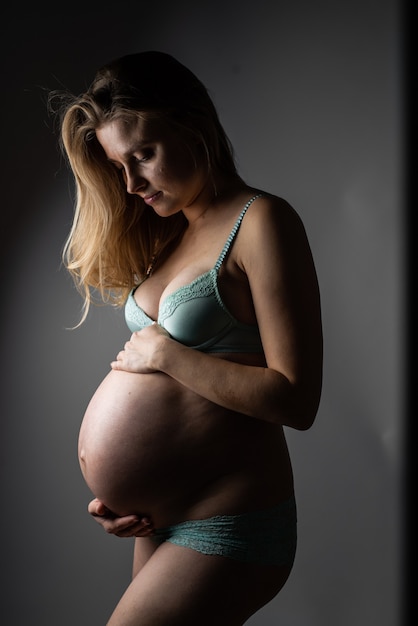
273,252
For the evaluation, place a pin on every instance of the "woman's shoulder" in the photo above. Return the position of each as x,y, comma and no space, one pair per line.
272,213
272,234
273,244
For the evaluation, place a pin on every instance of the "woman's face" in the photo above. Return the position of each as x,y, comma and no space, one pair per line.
156,163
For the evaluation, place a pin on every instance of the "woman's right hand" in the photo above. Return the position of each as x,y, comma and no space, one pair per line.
126,526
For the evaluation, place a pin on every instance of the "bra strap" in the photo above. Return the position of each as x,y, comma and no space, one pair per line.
234,231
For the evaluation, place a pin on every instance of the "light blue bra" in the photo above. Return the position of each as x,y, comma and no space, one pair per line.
195,314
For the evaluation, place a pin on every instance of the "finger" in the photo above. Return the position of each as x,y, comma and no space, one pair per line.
137,531
132,531
123,529
117,363
129,523
96,507
114,524
145,528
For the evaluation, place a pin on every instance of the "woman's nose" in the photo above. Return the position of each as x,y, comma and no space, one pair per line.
134,182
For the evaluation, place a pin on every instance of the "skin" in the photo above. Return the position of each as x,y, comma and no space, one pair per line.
227,429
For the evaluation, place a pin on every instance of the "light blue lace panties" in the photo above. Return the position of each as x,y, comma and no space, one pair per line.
267,537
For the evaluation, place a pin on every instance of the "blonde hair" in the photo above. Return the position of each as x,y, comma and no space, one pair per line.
115,237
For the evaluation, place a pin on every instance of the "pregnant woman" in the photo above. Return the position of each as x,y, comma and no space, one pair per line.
182,444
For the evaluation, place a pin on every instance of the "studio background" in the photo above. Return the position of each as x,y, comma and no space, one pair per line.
310,95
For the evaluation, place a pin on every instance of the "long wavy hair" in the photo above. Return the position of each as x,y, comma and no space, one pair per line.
115,236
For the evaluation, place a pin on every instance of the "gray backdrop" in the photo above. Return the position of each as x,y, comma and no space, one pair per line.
310,95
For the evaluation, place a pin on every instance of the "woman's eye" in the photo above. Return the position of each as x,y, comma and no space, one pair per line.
145,156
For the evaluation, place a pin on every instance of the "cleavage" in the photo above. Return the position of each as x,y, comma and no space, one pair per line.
151,294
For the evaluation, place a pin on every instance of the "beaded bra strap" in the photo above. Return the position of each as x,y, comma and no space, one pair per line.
234,232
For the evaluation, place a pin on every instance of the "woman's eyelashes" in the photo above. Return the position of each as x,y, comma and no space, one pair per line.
146,155
135,159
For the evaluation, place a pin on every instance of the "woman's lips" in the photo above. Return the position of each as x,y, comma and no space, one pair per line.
152,198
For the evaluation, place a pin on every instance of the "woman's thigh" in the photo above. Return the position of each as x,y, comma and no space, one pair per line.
178,586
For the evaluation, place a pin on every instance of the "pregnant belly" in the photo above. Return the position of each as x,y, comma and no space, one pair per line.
140,439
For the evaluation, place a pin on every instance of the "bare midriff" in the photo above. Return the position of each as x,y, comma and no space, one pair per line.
150,446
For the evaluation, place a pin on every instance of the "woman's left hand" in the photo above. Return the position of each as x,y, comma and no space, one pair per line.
137,355
124,526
